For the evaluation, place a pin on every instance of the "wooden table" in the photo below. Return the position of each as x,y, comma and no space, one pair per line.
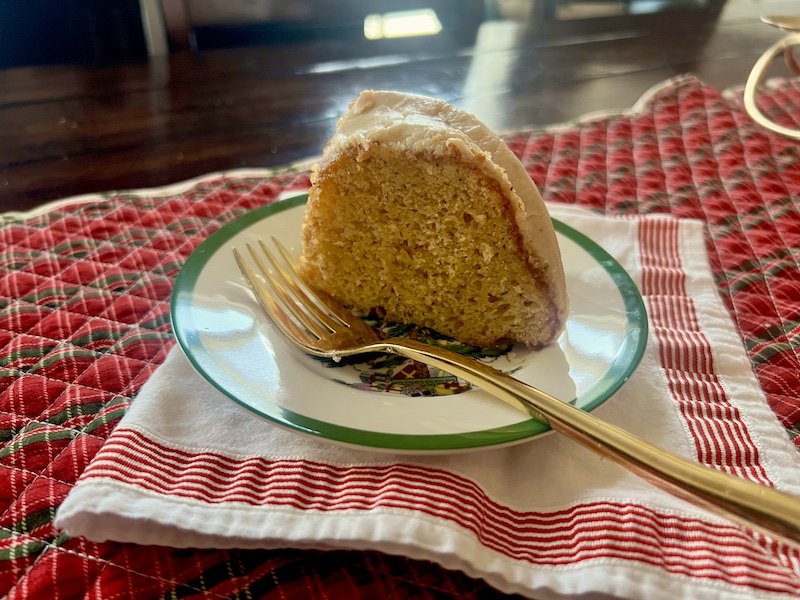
72,130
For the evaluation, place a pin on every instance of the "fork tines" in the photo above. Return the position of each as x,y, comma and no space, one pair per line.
287,300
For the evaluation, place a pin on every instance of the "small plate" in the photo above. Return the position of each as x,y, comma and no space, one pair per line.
230,342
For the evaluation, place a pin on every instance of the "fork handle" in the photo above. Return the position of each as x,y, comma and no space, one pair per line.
756,506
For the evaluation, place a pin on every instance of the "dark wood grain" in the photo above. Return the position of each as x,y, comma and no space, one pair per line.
72,130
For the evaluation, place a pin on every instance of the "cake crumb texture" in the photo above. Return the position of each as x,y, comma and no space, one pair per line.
428,239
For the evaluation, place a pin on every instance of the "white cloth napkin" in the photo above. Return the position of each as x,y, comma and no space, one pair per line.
188,468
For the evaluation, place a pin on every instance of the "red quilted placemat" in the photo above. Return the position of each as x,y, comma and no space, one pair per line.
84,321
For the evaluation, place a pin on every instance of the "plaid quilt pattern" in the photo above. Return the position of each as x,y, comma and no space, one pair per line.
84,321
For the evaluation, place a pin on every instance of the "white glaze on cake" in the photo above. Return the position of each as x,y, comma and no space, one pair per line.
423,125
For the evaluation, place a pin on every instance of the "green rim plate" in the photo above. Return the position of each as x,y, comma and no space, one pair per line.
231,344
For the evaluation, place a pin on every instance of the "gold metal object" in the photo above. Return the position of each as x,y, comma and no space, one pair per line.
318,325
783,22
785,47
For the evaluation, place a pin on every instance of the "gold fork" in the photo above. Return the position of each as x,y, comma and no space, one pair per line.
319,325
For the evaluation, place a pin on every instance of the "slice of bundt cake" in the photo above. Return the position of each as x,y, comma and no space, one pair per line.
419,212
